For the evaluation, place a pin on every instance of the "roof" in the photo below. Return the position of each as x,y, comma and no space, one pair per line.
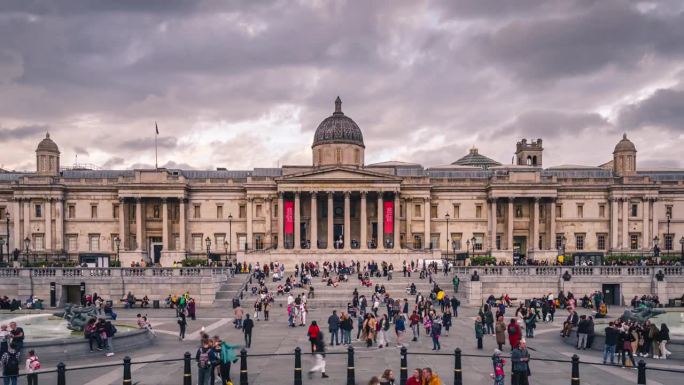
624,145
338,128
474,158
394,163
47,144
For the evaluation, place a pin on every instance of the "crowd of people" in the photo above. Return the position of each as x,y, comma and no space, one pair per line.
11,346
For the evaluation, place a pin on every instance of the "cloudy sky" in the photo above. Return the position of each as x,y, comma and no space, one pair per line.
244,84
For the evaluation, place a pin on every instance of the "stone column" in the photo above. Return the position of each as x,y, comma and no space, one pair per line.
314,220
625,224
397,236
646,242
614,224
535,225
16,220
122,225
268,213
364,222
182,225
426,218
347,220
407,211
27,222
509,228
330,244
250,225
138,224
492,224
552,226
656,211
281,229
59,225
48,224
381,223
165,225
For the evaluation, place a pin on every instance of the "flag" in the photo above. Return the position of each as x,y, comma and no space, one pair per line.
156,128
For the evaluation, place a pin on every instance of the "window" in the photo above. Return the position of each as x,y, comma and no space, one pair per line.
3,212
559,241
417,241
38,242
579,241
196,211
433,211
479,240
112,238
115,211
71,211
243,211
580,211
457,211
634,210
498,241
634,241
559,211
220,240
540,242
668,211
259,241
131,213
542,212
72,242
242,242
518,211
94,242
93,211
38,210
456,241
219,211
601,241
416,211
602,211
324,214
434,241
156,214
499,211
175,212
668,241
260,211
478,211
197,242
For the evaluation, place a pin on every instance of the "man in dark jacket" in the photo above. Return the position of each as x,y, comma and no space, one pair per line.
582,332
247,326
334,328
520,359
610,343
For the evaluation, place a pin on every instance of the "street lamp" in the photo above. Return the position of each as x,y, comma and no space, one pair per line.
27,243
2,245
472,242
208,242
468,247
117,243
230,234
447,234
681,242
7,216
656,249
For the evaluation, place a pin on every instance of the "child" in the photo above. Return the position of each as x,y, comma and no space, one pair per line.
32,364
498,363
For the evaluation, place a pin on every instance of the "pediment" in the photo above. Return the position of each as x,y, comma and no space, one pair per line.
340,174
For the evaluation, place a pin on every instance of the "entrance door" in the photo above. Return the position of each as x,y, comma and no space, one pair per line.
374,232
611,294
519,247
338,230
71,294
303,237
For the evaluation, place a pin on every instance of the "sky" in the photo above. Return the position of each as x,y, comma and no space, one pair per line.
244,84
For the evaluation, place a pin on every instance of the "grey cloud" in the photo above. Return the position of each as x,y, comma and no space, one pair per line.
22,132
80,150
554,124
140,144
664,108
113,163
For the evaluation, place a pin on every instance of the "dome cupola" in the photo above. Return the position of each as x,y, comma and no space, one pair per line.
624,157
338,140
47,157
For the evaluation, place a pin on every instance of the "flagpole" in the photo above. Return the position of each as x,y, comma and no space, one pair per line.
156,133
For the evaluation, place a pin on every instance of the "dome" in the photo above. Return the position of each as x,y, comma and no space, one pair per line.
625,145
338,128
47,145
474,158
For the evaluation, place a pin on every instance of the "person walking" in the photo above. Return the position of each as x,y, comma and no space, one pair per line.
10,365
520,360
238,313
582,332
436,333
446,321
204,357
313,333
488,319
182,324
514,333
400,329
32,364
664,337
610,341
334,328
247,326
319,353
479,331
414,322
500,330
627,339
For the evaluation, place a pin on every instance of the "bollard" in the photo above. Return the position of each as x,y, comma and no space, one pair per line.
298,366
61,374
575,376
403,367
187,371
351,380
458,374
127,370
243,367
641,374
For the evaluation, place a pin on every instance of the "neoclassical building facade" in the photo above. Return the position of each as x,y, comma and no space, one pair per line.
341,207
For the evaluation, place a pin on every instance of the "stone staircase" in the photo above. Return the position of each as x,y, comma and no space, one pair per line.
230,289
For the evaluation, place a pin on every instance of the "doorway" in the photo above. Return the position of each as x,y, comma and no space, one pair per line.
519,247
156,248
70,294
611,294
338,232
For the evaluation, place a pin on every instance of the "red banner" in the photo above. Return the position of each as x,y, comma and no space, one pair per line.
388,226
289,217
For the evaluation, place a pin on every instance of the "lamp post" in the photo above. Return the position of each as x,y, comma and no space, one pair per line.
453,247
230,234
446,216
472,242
681,242
27,243
468,247
669,217
117,243
208,242
2,257
225,247
7,239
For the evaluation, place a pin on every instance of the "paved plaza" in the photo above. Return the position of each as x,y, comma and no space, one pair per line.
274,336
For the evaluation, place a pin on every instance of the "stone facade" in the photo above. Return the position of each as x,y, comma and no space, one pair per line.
473,205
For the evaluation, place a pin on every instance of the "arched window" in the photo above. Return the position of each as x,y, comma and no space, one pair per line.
534,160
529,160
338,155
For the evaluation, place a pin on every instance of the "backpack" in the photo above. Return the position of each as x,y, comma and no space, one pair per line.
203,361
12,365
512,330
34,364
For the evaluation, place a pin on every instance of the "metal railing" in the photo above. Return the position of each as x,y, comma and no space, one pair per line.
574,363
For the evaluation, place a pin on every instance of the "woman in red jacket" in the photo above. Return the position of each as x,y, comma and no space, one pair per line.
514,333
313,333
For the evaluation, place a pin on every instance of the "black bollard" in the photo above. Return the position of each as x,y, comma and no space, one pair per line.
351,377
575,376
127,370
187,371
298,366
458,374
403,367
243,367
641,373
61,374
